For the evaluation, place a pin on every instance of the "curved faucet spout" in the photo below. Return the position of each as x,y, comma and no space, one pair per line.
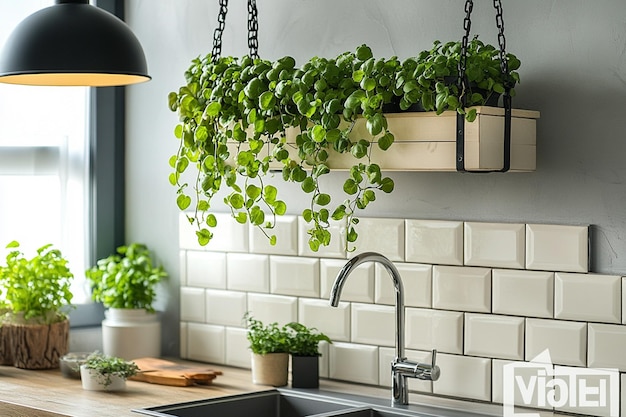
350,266
401,368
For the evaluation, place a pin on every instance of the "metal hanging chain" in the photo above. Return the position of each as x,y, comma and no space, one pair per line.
462,85
217,34
253,28
462,66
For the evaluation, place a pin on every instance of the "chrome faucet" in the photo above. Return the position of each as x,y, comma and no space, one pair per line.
401,368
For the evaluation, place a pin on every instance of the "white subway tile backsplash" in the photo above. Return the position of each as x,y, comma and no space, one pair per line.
347,360
324,368
206,269
623,300
494,336
385,236
588,297
557,248
386,357
187,233
334,322
286,232
537,299
228,235
247,272
528,373
206,343
192,303
592,389
273,308
494,244
290,275
523,293
434,242
182,267
416,280
566,340
434,329
237,348
462,288
464,376
336,249
358,287
226,307
607,344
373,324
183,339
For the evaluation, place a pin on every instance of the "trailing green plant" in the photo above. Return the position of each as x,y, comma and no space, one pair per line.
126,279
37,288
242,118
431,78
266,338
304,341
106,367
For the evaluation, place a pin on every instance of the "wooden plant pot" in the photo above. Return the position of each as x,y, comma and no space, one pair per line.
270,369
39,346
305,371
6,346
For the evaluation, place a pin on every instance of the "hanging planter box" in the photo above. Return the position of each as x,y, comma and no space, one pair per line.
425,141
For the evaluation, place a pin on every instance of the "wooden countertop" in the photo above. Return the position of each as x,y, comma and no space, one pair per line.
49,394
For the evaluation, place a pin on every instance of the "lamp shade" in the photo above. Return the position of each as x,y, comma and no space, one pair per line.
73,43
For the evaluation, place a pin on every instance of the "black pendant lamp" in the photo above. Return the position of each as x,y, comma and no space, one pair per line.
73,43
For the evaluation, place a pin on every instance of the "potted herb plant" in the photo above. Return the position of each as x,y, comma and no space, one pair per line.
304,348
270,352
106,373
240,119
125,283
37,292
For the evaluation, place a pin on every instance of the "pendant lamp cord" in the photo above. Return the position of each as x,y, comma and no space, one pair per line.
253,28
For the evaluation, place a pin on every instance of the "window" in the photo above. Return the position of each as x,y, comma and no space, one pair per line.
62,166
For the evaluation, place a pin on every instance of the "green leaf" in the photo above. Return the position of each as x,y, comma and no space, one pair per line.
307,215
350,187
308,185
322,199
363,53
253,191
183,202
471,115
318,133
387,185
354,100
213,109
235,200
280,208
267,100
385,141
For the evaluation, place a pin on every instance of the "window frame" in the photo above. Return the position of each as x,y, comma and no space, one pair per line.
106,224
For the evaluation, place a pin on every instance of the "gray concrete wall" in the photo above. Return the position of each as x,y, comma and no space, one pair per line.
573,71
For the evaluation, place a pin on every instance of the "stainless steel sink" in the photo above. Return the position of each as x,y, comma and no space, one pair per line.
296,403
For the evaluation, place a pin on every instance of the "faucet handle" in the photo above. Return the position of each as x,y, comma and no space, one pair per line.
434,369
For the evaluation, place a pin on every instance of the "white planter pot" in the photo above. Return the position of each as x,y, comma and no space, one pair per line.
93,381
131,334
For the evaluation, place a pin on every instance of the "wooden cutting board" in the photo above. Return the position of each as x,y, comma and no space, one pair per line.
163,372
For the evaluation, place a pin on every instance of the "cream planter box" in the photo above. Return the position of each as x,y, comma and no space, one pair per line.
425,141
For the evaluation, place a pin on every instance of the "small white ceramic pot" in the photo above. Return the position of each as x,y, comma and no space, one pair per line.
93,381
